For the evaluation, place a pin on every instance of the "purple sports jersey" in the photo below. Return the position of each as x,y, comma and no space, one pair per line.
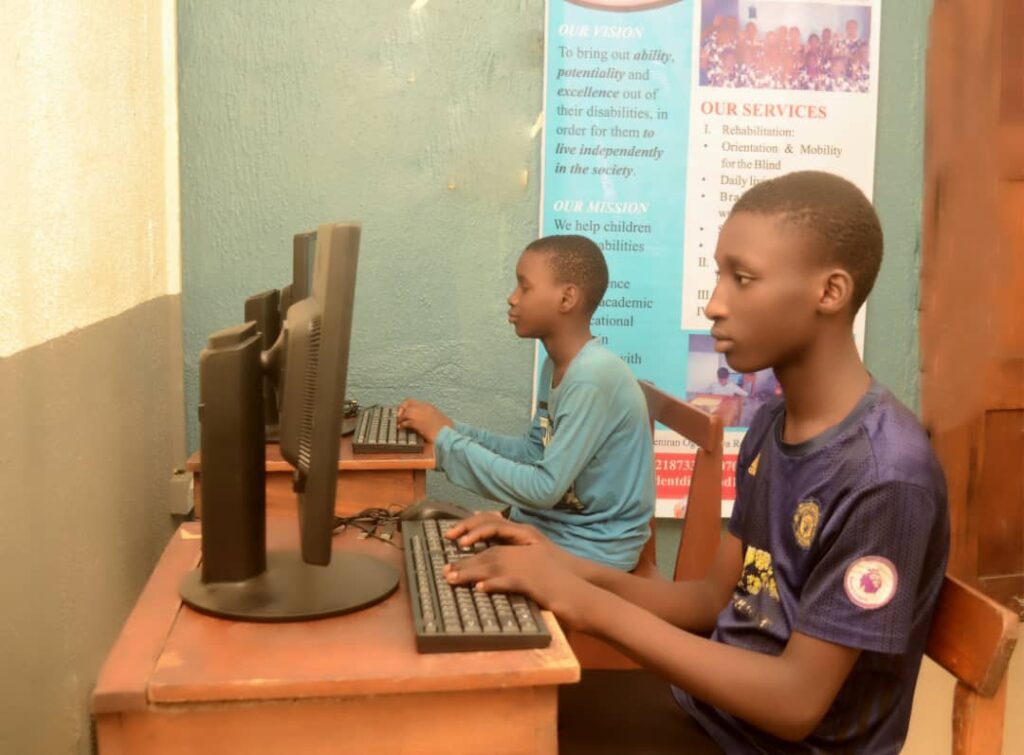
845,538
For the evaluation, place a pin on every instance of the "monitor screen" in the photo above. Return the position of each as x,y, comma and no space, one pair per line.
313,395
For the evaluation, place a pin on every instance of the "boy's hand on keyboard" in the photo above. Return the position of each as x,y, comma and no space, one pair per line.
422,417
491,526
534,571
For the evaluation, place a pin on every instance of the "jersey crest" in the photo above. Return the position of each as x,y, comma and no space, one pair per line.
805,522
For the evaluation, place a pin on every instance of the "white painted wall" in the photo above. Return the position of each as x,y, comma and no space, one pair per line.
88,163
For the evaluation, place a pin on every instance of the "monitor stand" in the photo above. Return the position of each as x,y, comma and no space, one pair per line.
238,578
292,590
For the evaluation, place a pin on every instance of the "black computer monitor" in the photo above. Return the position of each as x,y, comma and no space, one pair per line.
303,252
264,310
268,309
237,577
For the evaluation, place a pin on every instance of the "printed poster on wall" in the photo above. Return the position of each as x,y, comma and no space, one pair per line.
657,117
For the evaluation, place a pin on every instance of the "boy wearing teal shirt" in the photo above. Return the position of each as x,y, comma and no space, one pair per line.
584,473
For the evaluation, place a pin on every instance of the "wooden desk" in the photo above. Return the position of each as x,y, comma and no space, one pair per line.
363,480
177,681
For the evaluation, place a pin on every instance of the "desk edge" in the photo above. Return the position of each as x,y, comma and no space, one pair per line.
123,681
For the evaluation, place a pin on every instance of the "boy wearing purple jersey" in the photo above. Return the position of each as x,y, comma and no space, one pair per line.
822,591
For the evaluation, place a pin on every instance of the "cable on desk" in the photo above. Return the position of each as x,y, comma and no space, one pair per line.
376,522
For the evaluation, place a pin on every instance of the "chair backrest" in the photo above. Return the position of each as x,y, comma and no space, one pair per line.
973,637
702,531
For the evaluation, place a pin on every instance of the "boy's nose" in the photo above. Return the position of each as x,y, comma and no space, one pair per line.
715,308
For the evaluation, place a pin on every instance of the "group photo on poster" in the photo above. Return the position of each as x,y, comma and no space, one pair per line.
792,45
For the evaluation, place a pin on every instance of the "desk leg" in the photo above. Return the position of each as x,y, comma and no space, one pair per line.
109,737
419,486
197,494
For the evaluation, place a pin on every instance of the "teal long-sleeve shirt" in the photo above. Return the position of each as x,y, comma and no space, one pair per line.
583,474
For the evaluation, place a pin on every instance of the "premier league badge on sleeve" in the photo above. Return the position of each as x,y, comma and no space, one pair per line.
870,582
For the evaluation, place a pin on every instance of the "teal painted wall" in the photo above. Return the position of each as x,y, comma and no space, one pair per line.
891,335
419,124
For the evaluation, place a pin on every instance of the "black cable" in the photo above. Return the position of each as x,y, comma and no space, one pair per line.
369,521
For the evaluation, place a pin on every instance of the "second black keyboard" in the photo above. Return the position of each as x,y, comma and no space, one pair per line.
451,619
377,432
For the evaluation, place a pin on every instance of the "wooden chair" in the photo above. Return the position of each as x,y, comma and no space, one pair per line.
702,530
973,637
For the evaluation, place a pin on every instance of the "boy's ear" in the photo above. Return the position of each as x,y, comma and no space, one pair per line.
836,291
570,298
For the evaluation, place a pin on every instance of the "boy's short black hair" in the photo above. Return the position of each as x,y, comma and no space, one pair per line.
835,211
576,260
723,372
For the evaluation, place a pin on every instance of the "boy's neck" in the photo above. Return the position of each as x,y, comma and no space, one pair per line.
822,388
563,347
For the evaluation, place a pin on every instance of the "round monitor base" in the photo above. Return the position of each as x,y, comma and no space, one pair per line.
292,590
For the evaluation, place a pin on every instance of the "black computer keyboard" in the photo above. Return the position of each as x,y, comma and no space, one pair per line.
454,619
377,432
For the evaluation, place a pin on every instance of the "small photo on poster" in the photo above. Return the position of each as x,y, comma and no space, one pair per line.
712,386
778,44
